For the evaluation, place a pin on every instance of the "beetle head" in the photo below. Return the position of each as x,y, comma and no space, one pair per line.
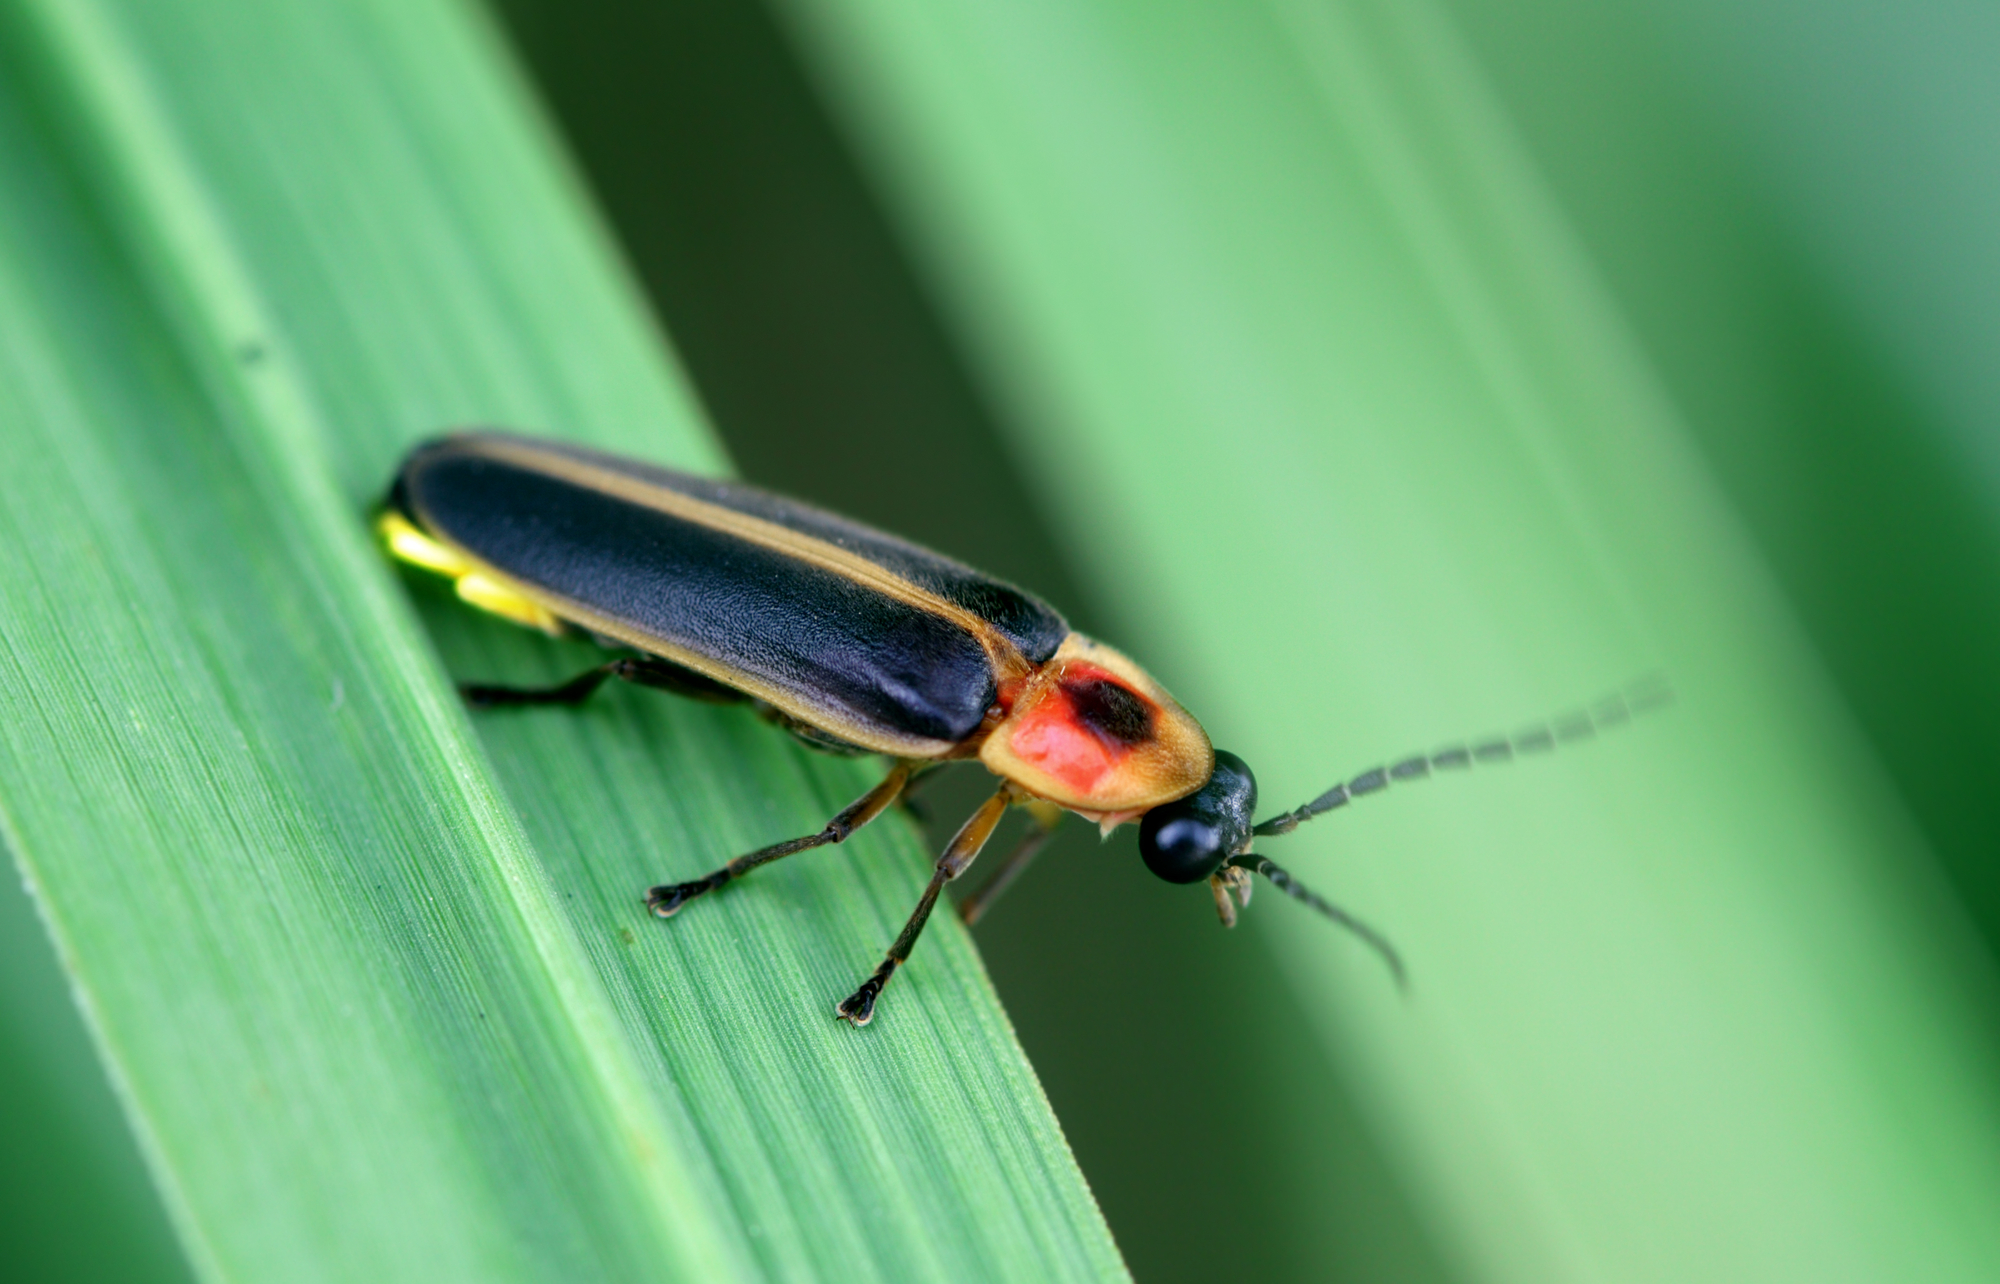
1207,835
1187,840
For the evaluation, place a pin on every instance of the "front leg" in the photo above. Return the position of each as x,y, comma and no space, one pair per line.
859,1007
1046,817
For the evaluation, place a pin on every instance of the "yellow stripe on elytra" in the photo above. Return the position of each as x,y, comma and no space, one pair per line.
1001,653
409,544
490,595
482,589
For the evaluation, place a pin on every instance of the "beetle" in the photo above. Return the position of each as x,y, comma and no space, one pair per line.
856,642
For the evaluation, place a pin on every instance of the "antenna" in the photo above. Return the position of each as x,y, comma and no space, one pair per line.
1298,891
1613,711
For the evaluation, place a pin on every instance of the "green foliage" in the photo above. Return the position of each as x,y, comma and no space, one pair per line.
1339,434
1811,301
831,377
1337,420
375,986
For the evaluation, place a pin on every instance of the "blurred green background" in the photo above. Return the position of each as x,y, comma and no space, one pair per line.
1792,208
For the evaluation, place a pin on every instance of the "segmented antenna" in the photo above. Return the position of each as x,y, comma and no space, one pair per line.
1608,714
1298,891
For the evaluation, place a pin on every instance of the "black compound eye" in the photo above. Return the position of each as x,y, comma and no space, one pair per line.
1180,849
1187,840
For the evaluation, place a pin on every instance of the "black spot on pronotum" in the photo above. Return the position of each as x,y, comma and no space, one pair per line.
1110,710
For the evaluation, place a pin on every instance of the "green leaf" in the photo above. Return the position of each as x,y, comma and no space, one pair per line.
752,227
1340,422
1809,289
373,980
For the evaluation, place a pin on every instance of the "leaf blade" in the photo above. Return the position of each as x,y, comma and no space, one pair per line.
1337,417
509,1110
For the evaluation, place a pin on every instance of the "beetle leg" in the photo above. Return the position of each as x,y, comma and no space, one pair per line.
859,1007
646,672
666,899
575,691
907,800
1046,818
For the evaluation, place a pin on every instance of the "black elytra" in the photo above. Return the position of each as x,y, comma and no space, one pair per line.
694,587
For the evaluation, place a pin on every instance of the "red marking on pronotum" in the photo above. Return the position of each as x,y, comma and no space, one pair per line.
1072,736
